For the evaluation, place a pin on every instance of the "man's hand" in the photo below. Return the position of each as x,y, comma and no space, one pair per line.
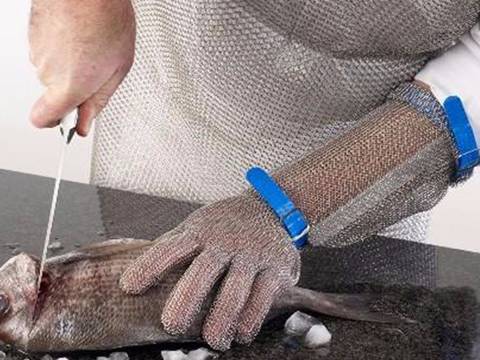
82,51
238,240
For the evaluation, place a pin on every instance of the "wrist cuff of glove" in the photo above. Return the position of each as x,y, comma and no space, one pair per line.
291,217
451,118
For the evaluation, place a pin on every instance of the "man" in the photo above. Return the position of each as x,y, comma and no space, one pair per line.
298,88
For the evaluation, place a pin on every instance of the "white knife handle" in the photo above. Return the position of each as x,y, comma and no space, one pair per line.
68,125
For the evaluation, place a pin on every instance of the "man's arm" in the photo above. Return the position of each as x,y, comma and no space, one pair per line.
82,51
402,157
399,161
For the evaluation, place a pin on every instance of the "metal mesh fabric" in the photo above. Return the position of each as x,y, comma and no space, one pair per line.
220,85
399,161
237,241
126,215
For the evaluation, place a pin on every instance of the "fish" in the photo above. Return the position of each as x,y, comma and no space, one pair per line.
80,306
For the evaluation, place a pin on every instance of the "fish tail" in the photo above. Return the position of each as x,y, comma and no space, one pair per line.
346,306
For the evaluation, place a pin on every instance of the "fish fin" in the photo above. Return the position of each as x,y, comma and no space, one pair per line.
109,245
346,306
98,250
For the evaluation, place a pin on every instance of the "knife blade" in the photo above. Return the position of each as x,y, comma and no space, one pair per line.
67,128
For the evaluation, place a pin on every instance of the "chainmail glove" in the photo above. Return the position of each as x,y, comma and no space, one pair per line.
398,161
238,240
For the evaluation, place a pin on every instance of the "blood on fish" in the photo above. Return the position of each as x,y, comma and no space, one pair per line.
42,295
5,304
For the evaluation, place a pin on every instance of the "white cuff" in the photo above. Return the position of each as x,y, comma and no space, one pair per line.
457,72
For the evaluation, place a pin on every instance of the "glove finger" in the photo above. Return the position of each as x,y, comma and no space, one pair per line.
266,288
219,329
186,300
168,252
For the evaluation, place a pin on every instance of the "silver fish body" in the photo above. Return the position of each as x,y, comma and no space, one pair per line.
81,307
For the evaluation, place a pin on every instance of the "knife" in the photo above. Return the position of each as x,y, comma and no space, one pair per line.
67,128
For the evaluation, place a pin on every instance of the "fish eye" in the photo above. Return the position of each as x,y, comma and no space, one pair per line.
4,305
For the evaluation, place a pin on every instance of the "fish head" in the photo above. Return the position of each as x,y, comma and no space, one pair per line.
18,294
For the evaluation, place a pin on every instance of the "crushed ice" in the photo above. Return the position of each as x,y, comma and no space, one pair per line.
307,330
55,246
317,336
174,355
119,356
15,248
202,354
12,246
113,356
198,354
299,323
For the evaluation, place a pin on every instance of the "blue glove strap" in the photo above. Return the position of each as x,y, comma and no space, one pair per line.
463,136
292,218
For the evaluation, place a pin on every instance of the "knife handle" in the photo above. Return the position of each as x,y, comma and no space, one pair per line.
68,125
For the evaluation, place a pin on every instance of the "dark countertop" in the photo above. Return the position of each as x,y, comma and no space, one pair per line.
88,214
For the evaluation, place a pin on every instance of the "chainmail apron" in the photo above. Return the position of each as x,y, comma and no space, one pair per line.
221,85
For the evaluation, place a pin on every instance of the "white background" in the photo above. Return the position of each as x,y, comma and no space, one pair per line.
456,221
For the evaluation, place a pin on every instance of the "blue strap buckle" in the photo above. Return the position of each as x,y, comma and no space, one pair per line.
463,136
292,218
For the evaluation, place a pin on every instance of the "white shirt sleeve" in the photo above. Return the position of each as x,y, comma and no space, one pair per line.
457,72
